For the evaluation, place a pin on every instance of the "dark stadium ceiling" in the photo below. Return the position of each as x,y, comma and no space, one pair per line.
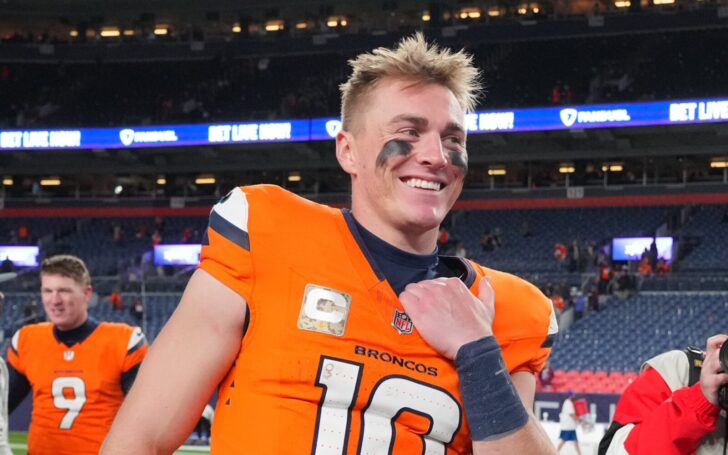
102,6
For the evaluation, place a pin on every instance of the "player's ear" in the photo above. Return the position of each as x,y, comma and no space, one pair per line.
345,152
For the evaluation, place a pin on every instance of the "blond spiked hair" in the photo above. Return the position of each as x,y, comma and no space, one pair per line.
412,59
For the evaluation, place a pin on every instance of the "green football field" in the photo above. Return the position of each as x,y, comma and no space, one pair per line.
18,445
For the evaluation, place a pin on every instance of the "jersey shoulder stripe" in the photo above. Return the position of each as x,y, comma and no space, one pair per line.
228,230
14,342
229,218
136,340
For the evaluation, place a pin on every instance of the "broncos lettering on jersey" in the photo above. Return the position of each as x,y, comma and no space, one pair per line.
76,390
330,363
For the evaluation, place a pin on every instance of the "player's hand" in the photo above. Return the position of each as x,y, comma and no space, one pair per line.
711,374
447,315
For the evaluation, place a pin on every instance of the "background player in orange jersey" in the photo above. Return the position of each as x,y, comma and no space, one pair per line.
77,368
335,331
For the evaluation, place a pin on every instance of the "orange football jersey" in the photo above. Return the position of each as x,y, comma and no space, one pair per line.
77,389
330,362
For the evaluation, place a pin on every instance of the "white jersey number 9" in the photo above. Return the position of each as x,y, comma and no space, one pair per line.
72,405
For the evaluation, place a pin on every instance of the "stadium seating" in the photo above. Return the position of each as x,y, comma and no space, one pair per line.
627,332
534,253
709,224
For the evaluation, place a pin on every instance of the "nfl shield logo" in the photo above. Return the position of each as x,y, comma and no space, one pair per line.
402,322
68,356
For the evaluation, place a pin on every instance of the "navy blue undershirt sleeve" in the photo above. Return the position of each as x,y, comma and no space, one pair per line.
19,388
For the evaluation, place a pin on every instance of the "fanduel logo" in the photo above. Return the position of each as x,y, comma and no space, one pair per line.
568,116
333,127
126,136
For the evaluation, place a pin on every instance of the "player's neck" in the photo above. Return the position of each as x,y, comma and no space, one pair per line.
76,334
415,240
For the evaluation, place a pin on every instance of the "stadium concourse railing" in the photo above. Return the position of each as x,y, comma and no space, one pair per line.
597,195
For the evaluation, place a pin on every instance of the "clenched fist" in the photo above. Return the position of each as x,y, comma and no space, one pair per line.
447,315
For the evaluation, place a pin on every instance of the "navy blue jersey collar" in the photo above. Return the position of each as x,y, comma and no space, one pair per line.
77,335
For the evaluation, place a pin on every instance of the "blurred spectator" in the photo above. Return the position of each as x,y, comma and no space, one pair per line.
490,240
560,252
559,303
186,235
443,238
567,95
117,234
137,309
156,237
574,255
496,234
546,377
568,421
6,266
653,254
446,242
605,276
117,302
663,268
556,94
593,299
645,269
159,224
23,234
142,231
579,305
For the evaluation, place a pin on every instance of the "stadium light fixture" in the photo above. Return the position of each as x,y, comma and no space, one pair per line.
663,2
719,163
622,3
237,28
8,181
612,167
426,16
294,176
301,25
128,32
161,180
496,170
50,181
110,32
336,21
73,33
566,168
275,25
494,12
161,30
470,13
118,189
205,179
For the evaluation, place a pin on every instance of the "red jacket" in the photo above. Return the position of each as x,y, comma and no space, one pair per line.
659,414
